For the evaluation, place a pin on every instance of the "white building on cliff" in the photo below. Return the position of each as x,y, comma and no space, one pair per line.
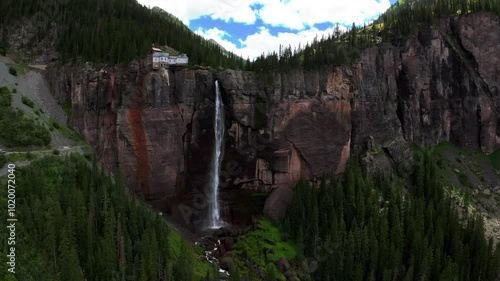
163,60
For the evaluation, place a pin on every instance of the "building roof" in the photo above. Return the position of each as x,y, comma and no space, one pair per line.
160,55
179,56
155,50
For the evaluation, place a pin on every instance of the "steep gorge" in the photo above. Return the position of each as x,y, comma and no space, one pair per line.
441,84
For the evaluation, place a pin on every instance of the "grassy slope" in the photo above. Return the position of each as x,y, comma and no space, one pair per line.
472,178
266,238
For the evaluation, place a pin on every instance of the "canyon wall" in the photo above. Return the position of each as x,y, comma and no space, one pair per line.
441,84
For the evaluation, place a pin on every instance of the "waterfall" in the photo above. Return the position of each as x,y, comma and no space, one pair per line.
214,212
165,74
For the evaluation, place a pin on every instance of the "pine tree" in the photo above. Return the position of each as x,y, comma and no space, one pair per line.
70,268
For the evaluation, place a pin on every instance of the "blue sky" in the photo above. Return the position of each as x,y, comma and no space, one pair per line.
251,27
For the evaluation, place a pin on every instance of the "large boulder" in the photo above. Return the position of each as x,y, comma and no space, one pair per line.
277,203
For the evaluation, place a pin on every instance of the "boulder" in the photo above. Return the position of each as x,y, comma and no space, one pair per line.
228,242
277,203
226,263
283,265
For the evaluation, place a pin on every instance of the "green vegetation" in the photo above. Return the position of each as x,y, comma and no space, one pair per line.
3,161
495,159
20,156
72,135
384,228
377,149
127,30
67,132
5,97
119,31
79,225
19,68
12,71
340,48
3,47
473,157
263,247
19,130
54,123
67,109
27,101
465,180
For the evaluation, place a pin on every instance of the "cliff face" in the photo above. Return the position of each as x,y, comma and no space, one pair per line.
440,85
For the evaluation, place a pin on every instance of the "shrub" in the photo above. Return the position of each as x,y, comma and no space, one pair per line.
464,180
29,155
55,124
3,160
56,152
12,71
17,130
21,131
27,101
5,97
3,48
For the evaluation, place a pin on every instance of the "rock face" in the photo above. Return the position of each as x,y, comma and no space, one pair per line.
155,126
441,84
277,203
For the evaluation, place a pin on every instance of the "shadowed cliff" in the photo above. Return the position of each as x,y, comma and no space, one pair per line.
440,85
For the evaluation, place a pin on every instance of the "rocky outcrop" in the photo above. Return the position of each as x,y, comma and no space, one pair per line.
441,84
277,203
154,126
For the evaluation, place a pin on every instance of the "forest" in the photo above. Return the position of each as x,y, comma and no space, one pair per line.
111,32
342,47
388,228
116,32
79,224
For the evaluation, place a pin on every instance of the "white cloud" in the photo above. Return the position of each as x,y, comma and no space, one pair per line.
263,41
298,15
212,33
186,10
295,14
220,37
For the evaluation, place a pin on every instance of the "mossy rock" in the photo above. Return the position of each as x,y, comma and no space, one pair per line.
226,263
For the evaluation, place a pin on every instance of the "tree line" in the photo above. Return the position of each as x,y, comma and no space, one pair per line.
122,30
112,32
386,228
341,47
77,224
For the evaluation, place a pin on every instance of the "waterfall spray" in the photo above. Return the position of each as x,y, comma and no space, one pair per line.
214,215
